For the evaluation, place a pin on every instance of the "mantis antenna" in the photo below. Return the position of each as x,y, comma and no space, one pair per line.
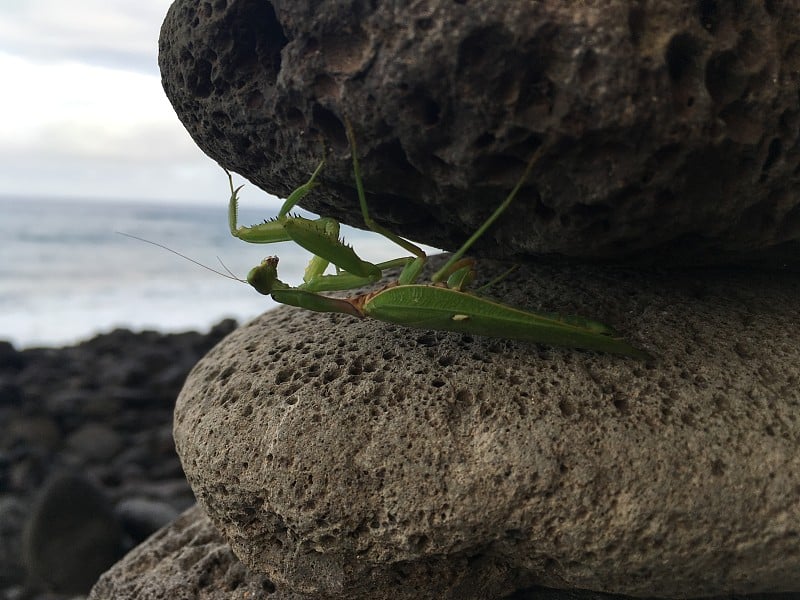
228,275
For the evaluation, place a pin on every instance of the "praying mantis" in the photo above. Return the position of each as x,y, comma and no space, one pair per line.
444,304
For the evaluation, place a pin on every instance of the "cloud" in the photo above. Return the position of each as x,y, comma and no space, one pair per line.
196,182
85,105
87,130
112,33
85,114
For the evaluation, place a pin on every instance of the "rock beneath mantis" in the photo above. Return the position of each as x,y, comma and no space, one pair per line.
189,559
672,128
185,560
341,455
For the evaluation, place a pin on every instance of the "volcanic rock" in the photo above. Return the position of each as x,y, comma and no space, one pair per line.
670,131
341,455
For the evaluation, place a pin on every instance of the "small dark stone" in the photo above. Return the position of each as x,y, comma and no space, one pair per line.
172,377
132,397
27,471
168,468
10,357
34,431
11,393
219,331
12,515
72,535
133,454
63,401
95,442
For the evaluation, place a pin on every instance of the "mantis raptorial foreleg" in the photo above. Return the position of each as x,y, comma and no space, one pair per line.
272,230
413,269
319,236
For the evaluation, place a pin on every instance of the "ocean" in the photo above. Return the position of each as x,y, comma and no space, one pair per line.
66,275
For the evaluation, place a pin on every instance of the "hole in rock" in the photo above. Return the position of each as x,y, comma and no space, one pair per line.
682,56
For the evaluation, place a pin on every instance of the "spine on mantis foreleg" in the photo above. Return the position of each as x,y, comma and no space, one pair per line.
321,238
262,233
273,230
348,281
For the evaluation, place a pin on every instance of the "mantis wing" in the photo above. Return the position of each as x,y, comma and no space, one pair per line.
431,307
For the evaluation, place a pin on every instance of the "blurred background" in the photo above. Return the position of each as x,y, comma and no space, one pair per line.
90,146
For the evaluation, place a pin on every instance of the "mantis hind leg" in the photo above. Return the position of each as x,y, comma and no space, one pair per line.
448,267
414,268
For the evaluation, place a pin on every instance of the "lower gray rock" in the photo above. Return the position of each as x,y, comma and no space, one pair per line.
539,593
188,560
141,517
354,457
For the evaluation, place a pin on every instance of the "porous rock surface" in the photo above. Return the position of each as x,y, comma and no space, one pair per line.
336,454
187,560
190,560
671,129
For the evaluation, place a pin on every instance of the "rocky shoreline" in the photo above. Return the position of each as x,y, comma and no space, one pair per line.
87,462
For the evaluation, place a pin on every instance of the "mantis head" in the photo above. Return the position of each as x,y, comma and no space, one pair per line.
264,277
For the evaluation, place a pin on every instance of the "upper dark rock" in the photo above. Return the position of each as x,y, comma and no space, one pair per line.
671,130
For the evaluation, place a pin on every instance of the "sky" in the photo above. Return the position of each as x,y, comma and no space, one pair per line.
84,114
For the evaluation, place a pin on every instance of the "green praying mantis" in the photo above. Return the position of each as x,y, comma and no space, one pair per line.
444,304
